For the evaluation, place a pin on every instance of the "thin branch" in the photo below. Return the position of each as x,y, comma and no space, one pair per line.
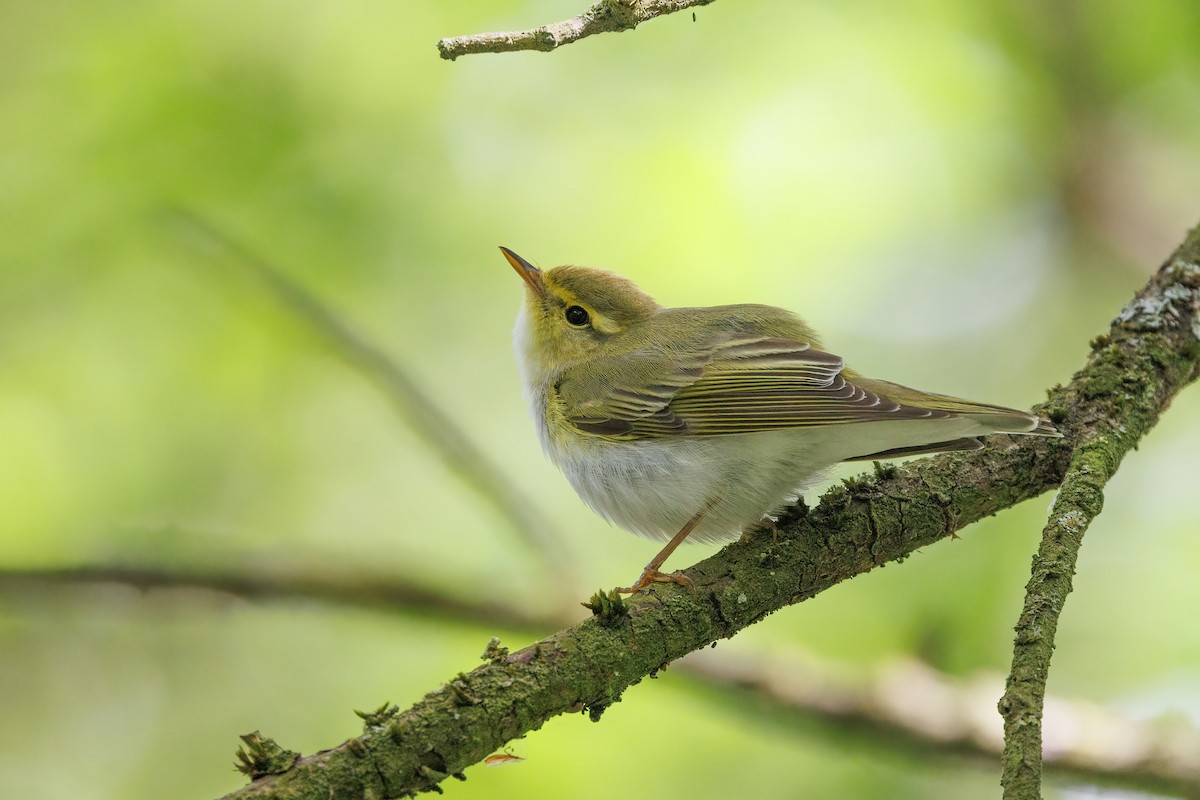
1150,354
907,707
422,413
267,579
606,16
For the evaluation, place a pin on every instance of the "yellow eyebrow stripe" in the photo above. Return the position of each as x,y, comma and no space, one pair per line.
598,321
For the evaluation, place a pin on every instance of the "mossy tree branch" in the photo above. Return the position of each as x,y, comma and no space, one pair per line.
1149,355
1078,502
1122,368
605,16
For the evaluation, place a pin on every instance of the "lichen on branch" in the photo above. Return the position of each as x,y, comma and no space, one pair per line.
606,16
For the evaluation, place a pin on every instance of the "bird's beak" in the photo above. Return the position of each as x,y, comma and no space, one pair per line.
528,272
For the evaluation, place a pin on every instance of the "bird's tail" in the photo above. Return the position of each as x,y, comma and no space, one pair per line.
996,419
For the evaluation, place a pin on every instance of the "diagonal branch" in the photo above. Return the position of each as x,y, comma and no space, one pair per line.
605,16
1150,354
422,413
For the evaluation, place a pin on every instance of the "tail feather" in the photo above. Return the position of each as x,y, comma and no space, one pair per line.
1044,428
1006,420
998,418
922,449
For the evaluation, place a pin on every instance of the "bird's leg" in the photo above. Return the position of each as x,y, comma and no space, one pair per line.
651,574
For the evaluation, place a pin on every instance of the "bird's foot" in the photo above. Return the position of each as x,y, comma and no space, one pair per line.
652,575
764,525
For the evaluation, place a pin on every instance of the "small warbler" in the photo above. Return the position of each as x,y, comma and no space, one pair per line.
672,422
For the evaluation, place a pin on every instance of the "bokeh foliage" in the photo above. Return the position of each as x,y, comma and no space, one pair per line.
958,195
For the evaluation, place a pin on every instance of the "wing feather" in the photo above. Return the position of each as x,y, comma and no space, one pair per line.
735,385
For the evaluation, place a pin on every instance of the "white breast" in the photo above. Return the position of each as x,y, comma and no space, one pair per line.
654,486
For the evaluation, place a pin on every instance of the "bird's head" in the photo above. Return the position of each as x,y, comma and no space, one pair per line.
570,311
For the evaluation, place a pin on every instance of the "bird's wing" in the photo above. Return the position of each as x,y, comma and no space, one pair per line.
733,385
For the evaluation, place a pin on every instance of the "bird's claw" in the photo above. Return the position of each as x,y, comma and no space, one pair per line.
652,575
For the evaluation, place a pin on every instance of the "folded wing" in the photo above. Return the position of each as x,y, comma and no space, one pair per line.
749,384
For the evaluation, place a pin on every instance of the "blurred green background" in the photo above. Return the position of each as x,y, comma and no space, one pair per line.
958,195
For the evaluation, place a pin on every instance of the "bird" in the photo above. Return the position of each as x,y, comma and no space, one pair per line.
699,422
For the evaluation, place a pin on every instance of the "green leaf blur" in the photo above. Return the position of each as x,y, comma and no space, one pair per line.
959,196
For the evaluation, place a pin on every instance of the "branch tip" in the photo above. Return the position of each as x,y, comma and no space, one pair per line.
261,756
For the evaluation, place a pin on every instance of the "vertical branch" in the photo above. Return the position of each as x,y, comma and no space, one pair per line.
1079,501
1107,409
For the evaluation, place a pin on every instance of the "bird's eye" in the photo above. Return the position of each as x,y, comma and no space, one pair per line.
577,316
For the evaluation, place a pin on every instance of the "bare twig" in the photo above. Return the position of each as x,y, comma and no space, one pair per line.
419,410
605,16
